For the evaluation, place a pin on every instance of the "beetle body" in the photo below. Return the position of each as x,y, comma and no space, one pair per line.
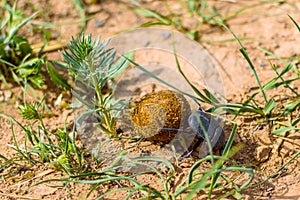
202,122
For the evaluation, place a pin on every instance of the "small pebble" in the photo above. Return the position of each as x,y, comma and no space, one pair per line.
185,165
262,153
99,24
262,65
73,136
5,95
146,43
166,35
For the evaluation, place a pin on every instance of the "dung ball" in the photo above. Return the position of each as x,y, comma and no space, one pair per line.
158,112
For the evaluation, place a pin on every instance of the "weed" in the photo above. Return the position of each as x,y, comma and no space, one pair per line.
200,11
15,50
93,67
80,7
18,61
272,110
40,146
194,183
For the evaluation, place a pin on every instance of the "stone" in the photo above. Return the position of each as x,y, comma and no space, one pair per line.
5,95
263,153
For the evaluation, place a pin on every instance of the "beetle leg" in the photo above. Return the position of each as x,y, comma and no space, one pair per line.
199,140
204,150
216,136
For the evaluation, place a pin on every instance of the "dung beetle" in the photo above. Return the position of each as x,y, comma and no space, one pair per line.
201,121
198,121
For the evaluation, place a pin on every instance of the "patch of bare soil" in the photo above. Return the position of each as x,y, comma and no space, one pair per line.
265,25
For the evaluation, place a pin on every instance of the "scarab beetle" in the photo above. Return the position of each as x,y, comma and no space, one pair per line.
202,122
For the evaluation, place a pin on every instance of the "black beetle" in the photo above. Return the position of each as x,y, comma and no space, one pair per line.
201,121
198,121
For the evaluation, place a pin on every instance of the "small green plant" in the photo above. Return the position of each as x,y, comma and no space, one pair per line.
42,146
271,110
16,59
93,67
196,182
200,11
18,62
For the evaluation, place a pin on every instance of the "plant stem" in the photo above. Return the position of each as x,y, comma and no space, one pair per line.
108,129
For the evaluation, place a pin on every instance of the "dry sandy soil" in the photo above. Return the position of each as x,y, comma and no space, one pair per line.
266,25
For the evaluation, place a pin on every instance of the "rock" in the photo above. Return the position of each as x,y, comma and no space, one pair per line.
263,153
5,95
98,24
43,190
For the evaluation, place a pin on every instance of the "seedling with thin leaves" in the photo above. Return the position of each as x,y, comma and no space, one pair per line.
40,145
93,68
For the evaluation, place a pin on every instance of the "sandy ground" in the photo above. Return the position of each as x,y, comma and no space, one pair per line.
263,25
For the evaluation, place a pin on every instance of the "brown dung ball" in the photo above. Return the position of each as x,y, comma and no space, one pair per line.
160,110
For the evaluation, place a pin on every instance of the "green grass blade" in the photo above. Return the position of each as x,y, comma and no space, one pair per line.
80,8
202,97
251,98
151,13
296,24
287,68
272,54
270,106
7,63
152,23
13,30
211,97
294,123
238,109
273,84
161,80
230,141
280,131
242,169
245,54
